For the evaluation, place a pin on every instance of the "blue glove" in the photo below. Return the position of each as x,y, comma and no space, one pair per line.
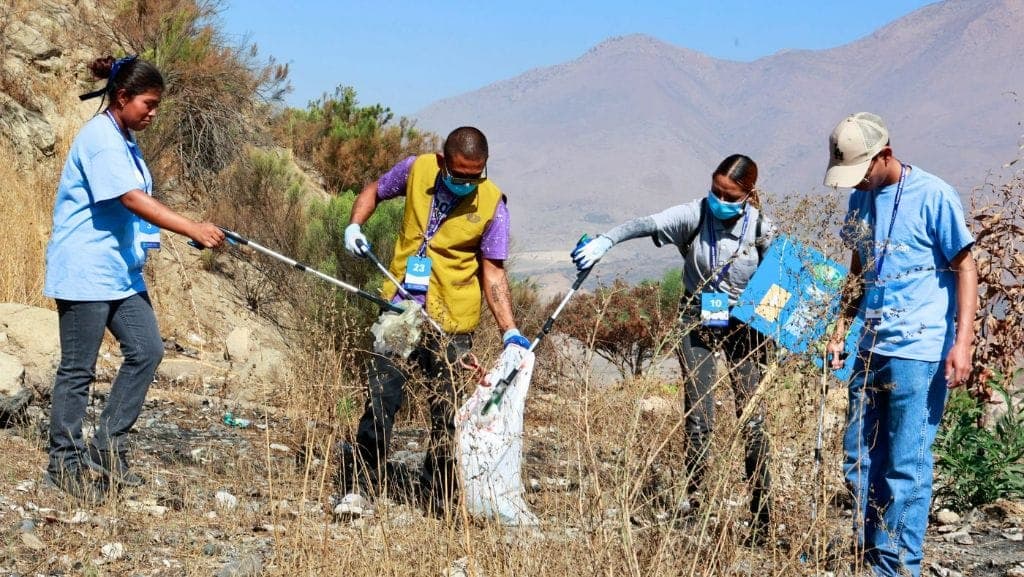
587,255
514,337
354,233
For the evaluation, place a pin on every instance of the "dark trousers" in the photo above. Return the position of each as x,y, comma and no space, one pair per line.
743,350
438,364
82,324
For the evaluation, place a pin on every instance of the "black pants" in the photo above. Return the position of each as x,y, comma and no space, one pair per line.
386,377
744,351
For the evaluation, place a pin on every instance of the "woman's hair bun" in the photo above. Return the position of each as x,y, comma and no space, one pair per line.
101,67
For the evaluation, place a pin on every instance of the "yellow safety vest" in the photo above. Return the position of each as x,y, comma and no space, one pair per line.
453,297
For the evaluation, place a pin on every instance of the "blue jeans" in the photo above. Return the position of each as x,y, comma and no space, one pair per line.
82,324
894,413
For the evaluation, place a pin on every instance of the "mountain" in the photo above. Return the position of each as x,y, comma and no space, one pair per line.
635,125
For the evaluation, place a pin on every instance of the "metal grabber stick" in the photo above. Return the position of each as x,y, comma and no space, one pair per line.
401,289
239,239
502,385
819,441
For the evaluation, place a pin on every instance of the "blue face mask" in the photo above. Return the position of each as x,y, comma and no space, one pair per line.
459,190
724,210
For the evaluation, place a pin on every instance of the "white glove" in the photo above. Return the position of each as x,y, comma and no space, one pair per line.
587,255
353,236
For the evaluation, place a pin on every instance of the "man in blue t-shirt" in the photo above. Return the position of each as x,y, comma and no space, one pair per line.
914,284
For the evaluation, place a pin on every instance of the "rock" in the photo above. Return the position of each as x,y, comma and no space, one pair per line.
225,500
940,571
181,370
463,567
15,396
112,551
351,506
959,537
248,566
32,542
78,518
33,336
1017,535
947,517
1015,572
279,448
658,406
211,549
238,345
26,526
26,128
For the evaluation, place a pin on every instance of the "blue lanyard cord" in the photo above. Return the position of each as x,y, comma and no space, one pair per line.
438,214
138,165
880,259
713,247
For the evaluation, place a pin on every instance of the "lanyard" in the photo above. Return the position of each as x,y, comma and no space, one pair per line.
146,185
880,259
713,248
438,213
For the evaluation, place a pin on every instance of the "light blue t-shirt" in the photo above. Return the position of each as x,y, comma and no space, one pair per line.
919,288
93,254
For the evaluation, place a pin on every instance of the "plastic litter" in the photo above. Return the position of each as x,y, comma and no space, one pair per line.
233,421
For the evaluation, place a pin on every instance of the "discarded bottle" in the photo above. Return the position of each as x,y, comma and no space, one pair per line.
232,421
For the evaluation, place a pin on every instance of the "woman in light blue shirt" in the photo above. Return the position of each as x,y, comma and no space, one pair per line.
104,221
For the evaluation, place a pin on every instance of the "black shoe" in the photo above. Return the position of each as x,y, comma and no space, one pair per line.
115,467
73,482
760,532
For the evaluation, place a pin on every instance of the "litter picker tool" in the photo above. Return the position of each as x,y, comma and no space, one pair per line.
239,239
499,389
401,289
819,441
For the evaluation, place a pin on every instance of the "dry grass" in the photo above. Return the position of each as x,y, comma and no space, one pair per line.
606,516
26,209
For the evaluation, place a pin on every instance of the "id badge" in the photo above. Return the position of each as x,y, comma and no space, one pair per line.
874,301
148,236
714,309
417,274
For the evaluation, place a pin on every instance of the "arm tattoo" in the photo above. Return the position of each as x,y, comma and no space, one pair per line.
500,293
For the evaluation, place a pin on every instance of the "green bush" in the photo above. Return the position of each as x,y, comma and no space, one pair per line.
350,144
323,247
978,464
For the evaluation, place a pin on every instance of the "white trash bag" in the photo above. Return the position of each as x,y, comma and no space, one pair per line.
491,446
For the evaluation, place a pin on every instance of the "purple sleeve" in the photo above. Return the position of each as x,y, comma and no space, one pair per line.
393,182
494,243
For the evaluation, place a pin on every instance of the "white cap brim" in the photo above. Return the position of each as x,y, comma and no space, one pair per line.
846,176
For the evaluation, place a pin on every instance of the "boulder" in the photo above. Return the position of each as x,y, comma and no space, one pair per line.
238,345
24,127
33,336
14,394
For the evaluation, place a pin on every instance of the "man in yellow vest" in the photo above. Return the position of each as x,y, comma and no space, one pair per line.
451,247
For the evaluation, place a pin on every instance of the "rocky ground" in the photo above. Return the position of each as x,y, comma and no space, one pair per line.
231,501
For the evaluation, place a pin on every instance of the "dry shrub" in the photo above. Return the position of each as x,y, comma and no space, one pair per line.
997,221
216,93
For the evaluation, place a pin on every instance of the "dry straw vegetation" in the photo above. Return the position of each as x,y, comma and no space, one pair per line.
606,461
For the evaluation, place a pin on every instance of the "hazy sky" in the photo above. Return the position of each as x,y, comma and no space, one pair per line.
408,54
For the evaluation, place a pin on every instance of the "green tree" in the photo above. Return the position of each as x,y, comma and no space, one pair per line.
347,143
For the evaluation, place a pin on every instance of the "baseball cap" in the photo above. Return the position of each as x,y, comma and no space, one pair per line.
852,145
